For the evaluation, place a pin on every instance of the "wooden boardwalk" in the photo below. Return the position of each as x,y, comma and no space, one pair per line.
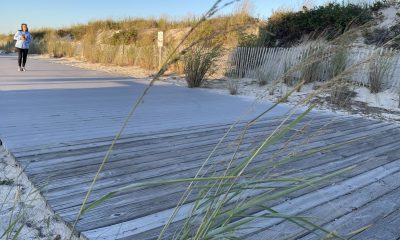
63,165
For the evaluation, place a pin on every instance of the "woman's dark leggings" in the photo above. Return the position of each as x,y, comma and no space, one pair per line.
22,55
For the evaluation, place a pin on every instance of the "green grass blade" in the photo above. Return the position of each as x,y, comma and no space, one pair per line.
18,232
148,184
263,198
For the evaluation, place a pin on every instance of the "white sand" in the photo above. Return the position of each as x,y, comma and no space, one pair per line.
386,99
389,17
21,202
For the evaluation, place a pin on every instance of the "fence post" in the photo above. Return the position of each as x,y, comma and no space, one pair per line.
160,44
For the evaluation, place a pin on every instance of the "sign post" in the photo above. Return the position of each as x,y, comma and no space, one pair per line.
160,44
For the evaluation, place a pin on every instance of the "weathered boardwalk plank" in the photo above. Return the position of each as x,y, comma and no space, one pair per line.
334,209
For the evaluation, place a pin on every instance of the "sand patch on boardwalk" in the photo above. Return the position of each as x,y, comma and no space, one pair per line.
22,206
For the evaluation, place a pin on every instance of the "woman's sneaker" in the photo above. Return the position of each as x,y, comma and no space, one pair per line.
24,69
19,69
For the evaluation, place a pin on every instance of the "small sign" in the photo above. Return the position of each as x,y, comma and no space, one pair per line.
160,39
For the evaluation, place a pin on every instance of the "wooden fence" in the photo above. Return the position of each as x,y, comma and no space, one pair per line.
361,64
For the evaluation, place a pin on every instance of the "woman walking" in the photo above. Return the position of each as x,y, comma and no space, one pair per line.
23,38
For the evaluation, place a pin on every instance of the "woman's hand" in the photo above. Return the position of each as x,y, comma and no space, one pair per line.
23,38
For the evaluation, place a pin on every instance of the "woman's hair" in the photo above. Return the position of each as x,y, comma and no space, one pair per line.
26,25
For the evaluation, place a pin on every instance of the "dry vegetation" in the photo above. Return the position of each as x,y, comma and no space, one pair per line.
132,42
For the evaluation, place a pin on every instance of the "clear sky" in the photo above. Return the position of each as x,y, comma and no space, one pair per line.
61,13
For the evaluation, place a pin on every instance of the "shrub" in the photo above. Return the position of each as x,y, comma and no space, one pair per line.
8,47
378,70
263,76
310,72
5,38
56,47
249,40
198,62
124,37
287,78
233,86
311,65
38,47
329,20
377,36
148,57
338,62
341,94
383,36
378,5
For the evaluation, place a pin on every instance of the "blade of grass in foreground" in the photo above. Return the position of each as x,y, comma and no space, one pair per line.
149,184
260,200
213,209
217,6
280,134
210,200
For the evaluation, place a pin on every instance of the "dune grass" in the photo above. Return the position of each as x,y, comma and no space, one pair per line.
379,69
200,61
233,86
7,43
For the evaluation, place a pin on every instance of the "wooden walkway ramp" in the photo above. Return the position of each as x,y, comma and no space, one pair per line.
369,194
59,121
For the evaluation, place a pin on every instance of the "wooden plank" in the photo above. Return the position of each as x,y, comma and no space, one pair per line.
104,141
320,215
331,211
376,164
40,155
301,203
120,175
59,147
381,215
184,145
320,170
68,150
298,205
386,227
138,160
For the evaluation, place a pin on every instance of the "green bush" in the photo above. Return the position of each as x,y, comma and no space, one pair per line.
379,5
338,62
340,94
330,20
383,36
311,65
198,62
376,36
379,69
124,37
6,43
249,40
8,47
38,46
39,34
